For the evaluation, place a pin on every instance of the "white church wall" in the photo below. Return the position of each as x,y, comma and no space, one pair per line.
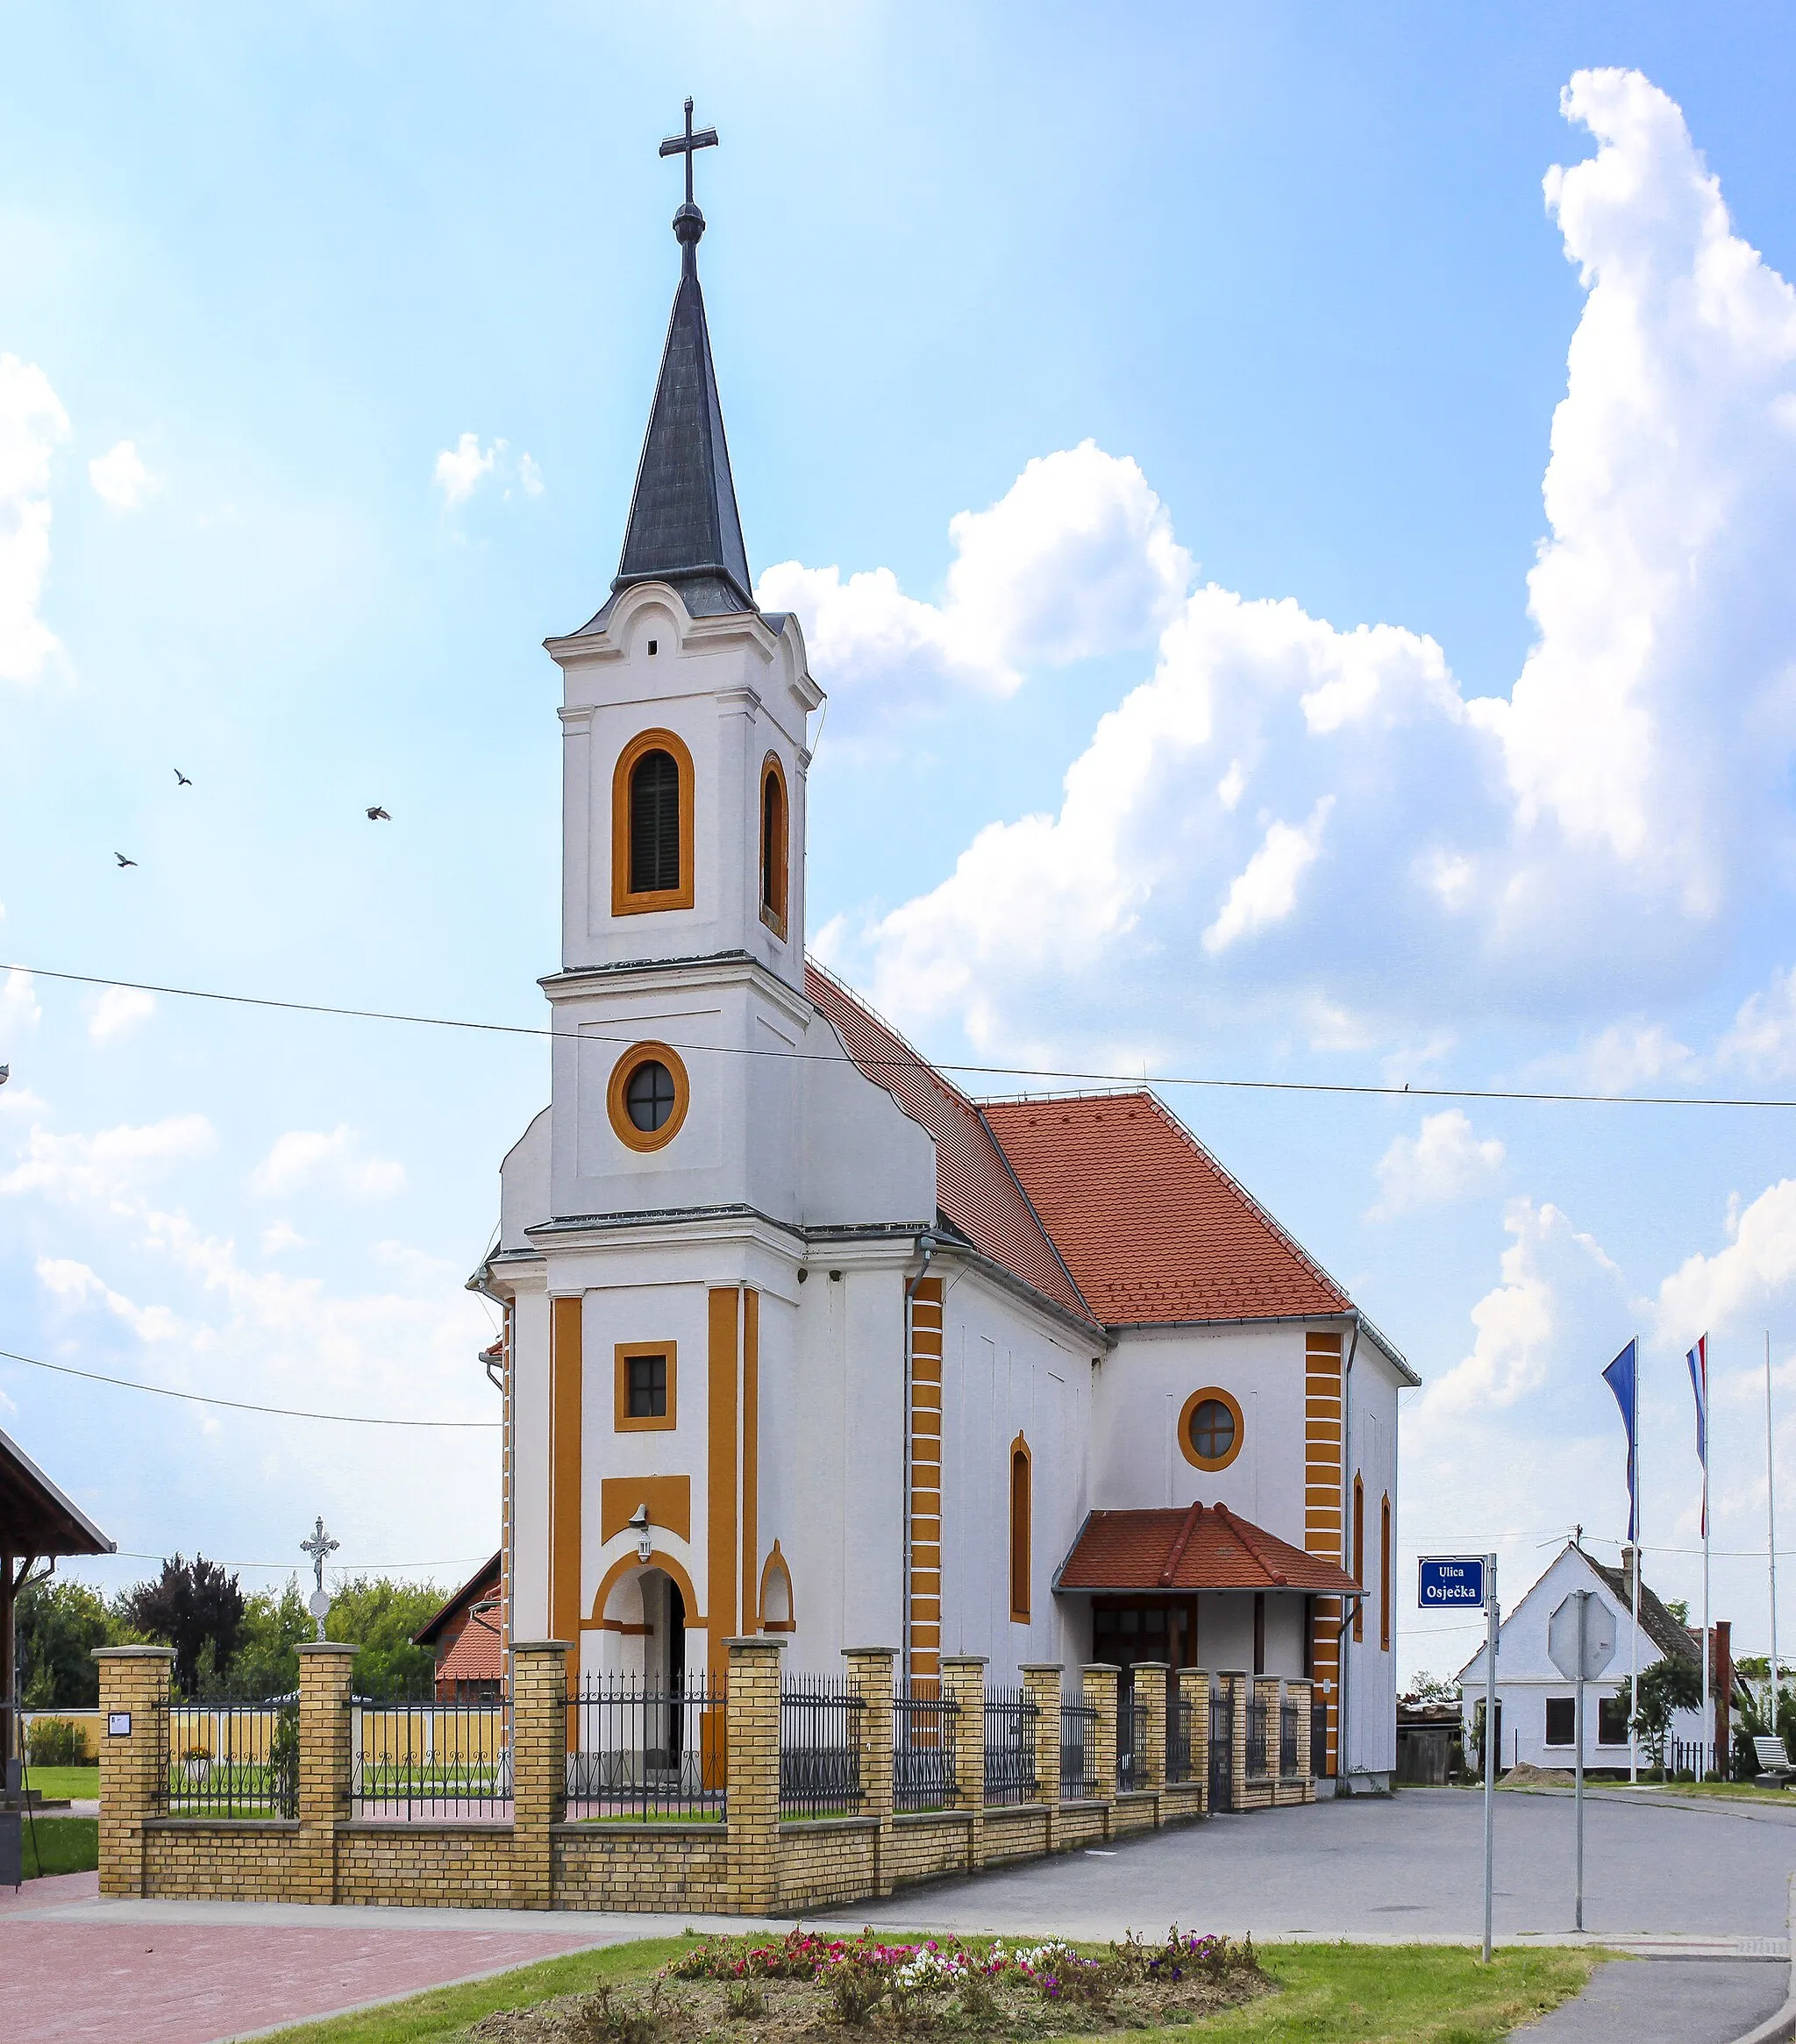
530,1454
865,1160
1225,1633
1008,1371
1371,1668
1141,1387
524,1185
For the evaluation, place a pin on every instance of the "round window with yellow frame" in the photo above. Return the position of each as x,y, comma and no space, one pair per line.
1210,1428
648,1096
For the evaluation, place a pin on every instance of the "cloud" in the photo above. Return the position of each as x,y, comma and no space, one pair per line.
77,1286
304,1156
280,1237
461,468
1076,558
32,424
110,1166
120,478
117,1011
18,1006
1445,1160
1713,1293
529,477
1763,1037
1585,841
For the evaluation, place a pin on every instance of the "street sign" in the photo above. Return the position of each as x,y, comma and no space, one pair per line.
1598,1636
1452,1579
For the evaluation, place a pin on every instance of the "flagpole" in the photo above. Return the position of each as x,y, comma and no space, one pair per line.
1770,1512
1708,1715
1634,1639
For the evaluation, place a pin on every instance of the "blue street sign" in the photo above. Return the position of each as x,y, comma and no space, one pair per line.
1452,1579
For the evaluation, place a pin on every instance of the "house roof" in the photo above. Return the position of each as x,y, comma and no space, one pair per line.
976,1193
1205,1546
1665,1631
1150,1224
483,1582
38,1519
475,1655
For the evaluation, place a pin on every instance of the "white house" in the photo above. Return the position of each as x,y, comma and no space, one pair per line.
802,1339
1537,1704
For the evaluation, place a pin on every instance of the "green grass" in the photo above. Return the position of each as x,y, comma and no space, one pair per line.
1331,1994
59,1782
60,1845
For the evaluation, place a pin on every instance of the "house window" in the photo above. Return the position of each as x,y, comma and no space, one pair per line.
652,825
1019,1477
648,1096
775,838
1611,1722
1384,1576
645,1400
1358,1554
1562,1721
1210,1428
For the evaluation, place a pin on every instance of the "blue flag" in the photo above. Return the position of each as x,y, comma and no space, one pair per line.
1622,1378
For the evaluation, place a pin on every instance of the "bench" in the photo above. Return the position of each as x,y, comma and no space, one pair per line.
1775,1771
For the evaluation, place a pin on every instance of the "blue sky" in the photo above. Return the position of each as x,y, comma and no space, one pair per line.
1270,301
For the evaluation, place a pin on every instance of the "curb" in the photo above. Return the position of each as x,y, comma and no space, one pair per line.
1779,2028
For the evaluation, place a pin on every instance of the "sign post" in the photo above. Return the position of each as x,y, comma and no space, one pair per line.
1470,1582
1580,1644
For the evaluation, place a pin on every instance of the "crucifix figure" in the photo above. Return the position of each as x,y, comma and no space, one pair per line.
317,1546
686,143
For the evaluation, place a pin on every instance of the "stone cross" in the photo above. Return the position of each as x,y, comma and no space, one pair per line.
686,144
317,1546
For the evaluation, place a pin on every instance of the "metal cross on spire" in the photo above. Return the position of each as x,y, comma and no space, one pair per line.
317,1546
685,145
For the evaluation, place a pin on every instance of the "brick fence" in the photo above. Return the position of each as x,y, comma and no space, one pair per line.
751,1862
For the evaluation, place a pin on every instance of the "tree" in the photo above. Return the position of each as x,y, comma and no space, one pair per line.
267,1660
191,1606
59,1625
379,1617
1674,1684
1431,1689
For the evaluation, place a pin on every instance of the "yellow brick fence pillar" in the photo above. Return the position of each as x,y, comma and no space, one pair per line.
1041,1683
1301,1693
753,1740
538,1766
1234,1684
1151,1754
134,1686
869,1670
324,1766
1099,1681
1266,1692
1195,1690
964,1684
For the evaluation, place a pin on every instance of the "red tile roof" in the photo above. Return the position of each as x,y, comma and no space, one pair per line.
1206,1547
483,1582
974,1189
474,1656
1150,1224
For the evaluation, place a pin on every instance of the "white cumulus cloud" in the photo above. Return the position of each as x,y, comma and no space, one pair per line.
32,425
18,1007
120,478
306,1156
1763,1037
461,469
110,1166
118,1011
1445,1160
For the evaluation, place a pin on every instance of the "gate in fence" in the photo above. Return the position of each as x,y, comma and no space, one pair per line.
1221,1752
639,1748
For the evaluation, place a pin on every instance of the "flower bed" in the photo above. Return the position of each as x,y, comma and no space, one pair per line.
806,1986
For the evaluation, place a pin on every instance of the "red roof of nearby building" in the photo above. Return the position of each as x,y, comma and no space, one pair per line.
1149,1223
974,1189
483,1582
475,1655
1205,1546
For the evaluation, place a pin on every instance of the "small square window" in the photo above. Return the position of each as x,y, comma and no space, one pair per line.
648,1387
1611,1722
1562,1721
654,645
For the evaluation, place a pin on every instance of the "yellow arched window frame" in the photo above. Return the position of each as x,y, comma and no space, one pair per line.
641,757
776,843
1022,1512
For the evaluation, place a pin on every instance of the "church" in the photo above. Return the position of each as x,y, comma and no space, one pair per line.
804,1340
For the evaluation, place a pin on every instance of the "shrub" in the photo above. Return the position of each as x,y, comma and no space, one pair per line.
55,1742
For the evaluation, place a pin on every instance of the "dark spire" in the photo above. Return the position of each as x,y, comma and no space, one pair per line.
684,527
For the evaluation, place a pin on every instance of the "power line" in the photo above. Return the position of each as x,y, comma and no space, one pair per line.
1028,1071
236,1404
125,1554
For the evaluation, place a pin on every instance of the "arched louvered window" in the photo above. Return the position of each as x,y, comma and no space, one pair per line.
1359,1554
652,825
1020,1509
776,839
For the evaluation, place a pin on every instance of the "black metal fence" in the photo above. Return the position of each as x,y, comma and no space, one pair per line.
1691,1756
1178,1721
1131,1744
1257,1729
1078,1727
636,1749
1010,1715
819,1747
1287,1739
923,1748
1319,1739
231,1759
1221,1751
421,1758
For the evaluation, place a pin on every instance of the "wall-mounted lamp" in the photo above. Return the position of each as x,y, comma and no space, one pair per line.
639,1523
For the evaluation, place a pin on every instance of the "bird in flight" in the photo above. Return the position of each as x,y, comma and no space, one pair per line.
123,860
379,815
182,778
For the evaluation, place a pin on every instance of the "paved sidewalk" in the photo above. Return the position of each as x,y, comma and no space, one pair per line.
1666,2001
